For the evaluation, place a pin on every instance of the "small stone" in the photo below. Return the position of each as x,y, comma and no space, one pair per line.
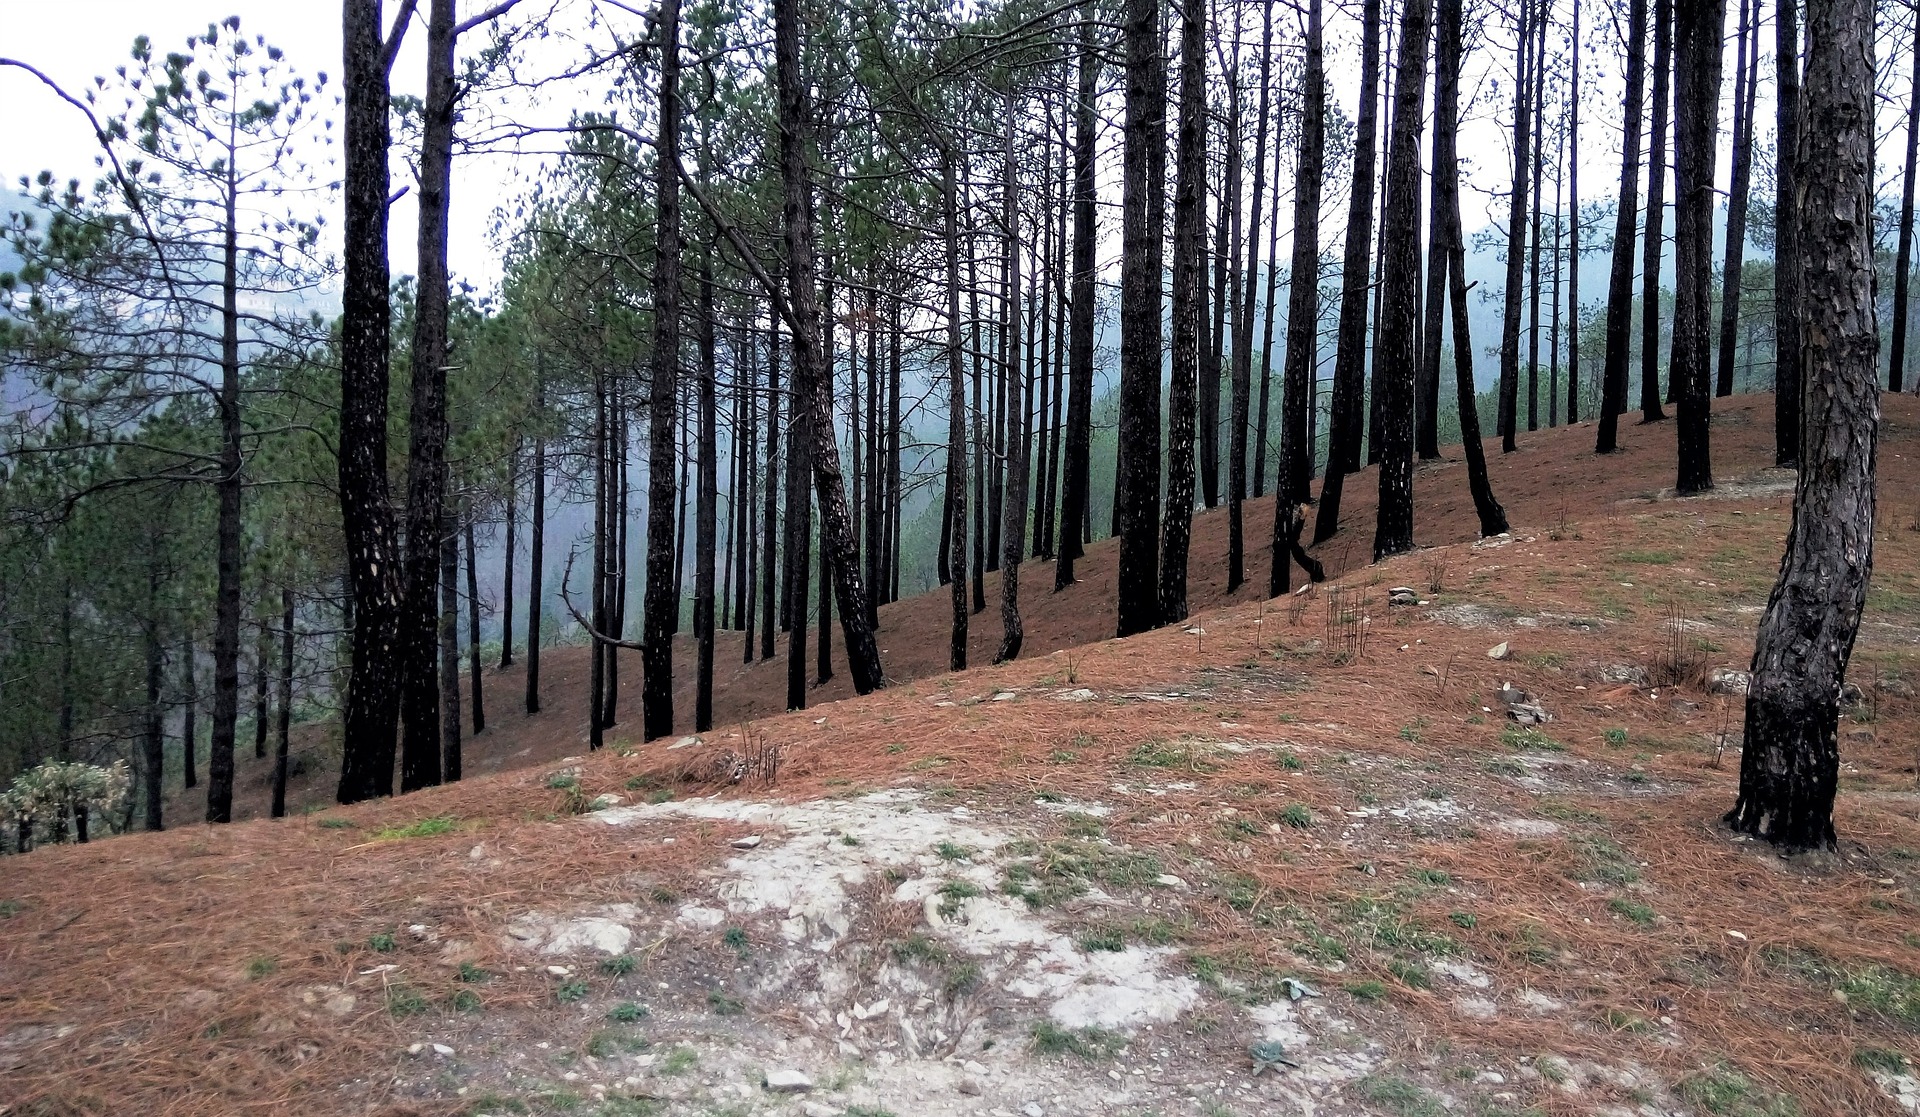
969,1086
1079,694
1736,936
1624,674
560,971
788,1082
416,1048
603,801
1032,1110
1498,651
1005,696
1726,680
816,1109
973,1067
751,841
1168,880
443,1050
684,742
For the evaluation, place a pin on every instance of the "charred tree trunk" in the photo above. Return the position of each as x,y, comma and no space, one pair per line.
537,544
1613,391
1790,765
1014,501
506,578
447,629
663,397
153,740
1189,278
227,533
1903,256
189,716
1746,71
1348,404
1137,473
262,681
1303,312
473,636
1399,290
1242,389
1079,433
1508,420
706,519
955,533
1697,39
420,720
1786,244
1573,230
1650,408
770,521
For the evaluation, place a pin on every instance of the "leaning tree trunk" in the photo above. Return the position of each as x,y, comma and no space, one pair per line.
836,524
1303,312
1080,335
1189,221
1613,375
1137,473
662,604
1786,242
1650,409
1790,763
1349,403
420,722
1698,27
1447,227
1399,289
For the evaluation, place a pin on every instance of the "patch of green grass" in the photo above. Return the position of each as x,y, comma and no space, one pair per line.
952,892
1079,824
1463,919
1566,812
1297,815
1620,1020
404,1000
625,1105
1398,1096
1103,938
1648,558
334,824
1616,737
735,939
679,1061
723,1004
663,795
262,966
1161,753
570,992
563,781
1063,756
425,828
1601,860
1881,1059
612,1041
465,1000
1503,766
1367,990
627,1012
867,1111
958,974
474,975
620,965
381,942
1410,733
1637,912
1885,991
1527,738
1726,1092
1239,827
1432,876
1289,761
1091,1044
1544,660
1050,874
951,852
491,1102
1411,974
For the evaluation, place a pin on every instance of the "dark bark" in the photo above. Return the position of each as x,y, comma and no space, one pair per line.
473,638
1264,409
836,524
1613,390
706,519
1399,287
1786,243
227,532
190,709
1303,312
1137,473
1013,510
770,519
1226,249
662,606
1697,39
1573,229
597,667
823,646
1790,764
979,415
1508,419
278,808
537,521
893,451
1079,432
262,681
1746,71
1447,228
954,535
1650,409
1242,389
506,578
153,740
1350,350
1190,364
420,721
448,630
1903,255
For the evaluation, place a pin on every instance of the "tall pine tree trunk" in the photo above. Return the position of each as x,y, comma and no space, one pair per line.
1189,277
955,514
1399,289
1076,470
1242,390
1508,419
537,543
473,635
1747,69
1650,408
1143,202
1613,390
662,605
706,520
1698,28
1791,763
447,633
1786,243
1348,404
1903,256
1303,309
278,806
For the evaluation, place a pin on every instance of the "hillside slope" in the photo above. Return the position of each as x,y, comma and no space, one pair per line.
1553,477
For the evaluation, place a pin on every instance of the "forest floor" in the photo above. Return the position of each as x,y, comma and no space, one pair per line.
1109,879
